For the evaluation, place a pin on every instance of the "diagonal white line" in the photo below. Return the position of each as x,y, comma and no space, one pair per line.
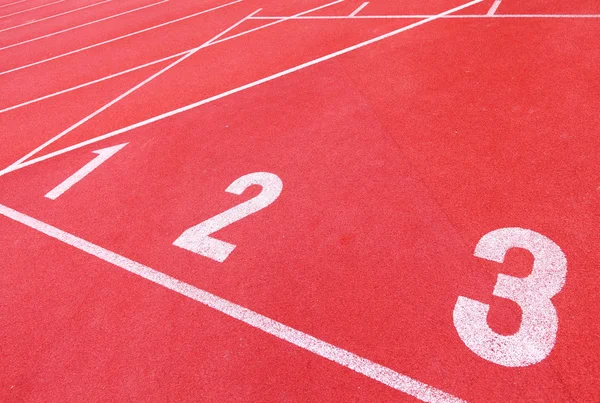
99,80
30,9
494,8
417,16
359,9
370,369
272,77
131,90
54,16
12,4
117,38
280,20
82,25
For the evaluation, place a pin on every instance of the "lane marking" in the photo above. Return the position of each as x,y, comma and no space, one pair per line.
283,19
370,369
128,92
55,15
118,38
494,8
417,16
92,82
358,10
103,155
82,25
12,4
272,77
30,9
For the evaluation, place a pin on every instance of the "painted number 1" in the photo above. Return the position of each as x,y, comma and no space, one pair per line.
539,324
197,239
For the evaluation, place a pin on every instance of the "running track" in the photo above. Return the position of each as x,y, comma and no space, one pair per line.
299,200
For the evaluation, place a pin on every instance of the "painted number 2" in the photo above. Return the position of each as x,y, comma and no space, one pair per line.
197,239
537,333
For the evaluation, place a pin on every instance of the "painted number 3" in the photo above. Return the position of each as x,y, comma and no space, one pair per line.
539,324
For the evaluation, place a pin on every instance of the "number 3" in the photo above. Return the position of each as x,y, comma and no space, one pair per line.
537,333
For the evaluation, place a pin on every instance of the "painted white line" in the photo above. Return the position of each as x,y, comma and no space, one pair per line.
358,10
343,17
546,16
162,60
82,25
177,111
103,155
128,92
30,9
117,38
277,22
12,4
370,369
418,16
93,82
494,8
54,16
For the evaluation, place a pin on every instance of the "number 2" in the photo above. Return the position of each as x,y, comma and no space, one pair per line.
537,333
197,239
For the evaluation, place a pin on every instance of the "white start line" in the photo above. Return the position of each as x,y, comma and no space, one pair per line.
300,339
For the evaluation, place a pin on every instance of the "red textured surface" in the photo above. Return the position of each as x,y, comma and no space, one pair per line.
395,160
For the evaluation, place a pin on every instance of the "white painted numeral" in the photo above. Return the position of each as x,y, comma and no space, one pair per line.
197,239
103,156
539,324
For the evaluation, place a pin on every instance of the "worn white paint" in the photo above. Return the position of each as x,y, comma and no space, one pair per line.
370,369
103,155
197,239
537,334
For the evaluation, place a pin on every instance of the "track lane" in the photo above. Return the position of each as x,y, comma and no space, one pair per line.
82,329
449,184
68,21
224,66
104,60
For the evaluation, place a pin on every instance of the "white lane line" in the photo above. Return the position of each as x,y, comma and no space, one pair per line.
117,38
163,59
494,8
546,16
82,25
370,369
30,9
103,156
177,111
120,73
418,16
54,16
358,10
12,4
131,90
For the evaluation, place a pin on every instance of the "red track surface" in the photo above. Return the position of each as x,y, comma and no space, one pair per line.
396,159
